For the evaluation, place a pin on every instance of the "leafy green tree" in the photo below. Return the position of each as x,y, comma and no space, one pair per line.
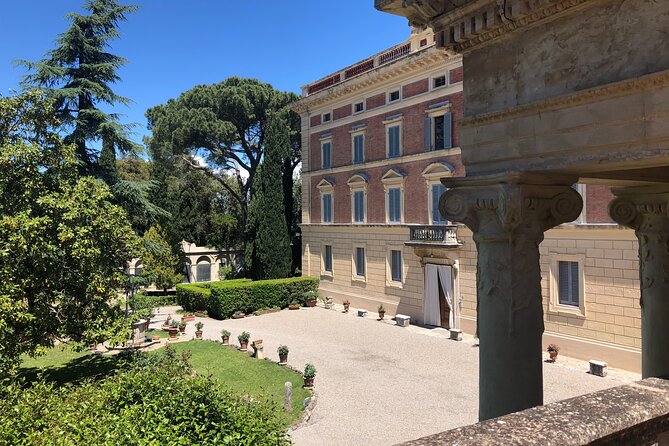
160,264
63,244
226,123
268,249
78,74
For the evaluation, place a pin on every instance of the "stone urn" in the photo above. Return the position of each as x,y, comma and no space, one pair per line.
311,302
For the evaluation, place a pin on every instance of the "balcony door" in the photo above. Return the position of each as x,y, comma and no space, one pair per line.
438,305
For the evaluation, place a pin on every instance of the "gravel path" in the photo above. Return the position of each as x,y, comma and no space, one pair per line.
379,384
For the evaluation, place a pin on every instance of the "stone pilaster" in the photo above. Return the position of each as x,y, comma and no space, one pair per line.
508,216
644,209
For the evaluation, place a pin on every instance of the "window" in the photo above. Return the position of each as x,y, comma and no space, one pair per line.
359,107
394,95
438,131
138,268
203,271
396,265
395,205
326,155
358,148
327,259
358,185
327,208
568,283
327,117
436,192
394,146
359,206
580,188
439,81
360,261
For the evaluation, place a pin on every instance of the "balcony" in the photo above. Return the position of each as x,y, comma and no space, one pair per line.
445,236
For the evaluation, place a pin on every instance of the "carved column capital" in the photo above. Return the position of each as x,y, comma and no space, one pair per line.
635,207
516,207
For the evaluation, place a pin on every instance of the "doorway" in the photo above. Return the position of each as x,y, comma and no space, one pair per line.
438,307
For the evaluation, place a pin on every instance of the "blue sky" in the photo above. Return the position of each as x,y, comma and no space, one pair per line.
172,45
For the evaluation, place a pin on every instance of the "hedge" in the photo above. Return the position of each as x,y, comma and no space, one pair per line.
155,401
224,298
150,301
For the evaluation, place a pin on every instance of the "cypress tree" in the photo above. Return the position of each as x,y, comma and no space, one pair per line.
271,245
78,74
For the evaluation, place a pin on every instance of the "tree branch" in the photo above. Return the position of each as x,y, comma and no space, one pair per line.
208,171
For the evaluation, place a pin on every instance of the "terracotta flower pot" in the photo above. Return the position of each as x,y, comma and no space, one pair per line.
381,314
311,303
346,307
308,382
243,345
198,334
294,306
182,329
283,358
173,333
553,355
225,339
155,338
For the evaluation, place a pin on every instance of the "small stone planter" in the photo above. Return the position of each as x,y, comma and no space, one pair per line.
187,318
311,302
329,303
238,316
294,306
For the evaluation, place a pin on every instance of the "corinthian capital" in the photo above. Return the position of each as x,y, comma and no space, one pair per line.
512,202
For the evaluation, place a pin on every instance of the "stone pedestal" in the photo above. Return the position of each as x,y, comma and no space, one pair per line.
258,349
402,320
508,216
288,397
362,313
598,368
456,334
644,209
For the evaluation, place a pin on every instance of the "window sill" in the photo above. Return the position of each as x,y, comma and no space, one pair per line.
359,279
326,275
395,285
565,310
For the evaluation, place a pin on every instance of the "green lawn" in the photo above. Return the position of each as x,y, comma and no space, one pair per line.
233,368
158,331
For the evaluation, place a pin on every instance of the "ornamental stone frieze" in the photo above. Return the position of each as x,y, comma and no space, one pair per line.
645,209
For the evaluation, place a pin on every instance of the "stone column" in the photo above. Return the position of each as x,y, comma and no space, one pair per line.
508,216
644,209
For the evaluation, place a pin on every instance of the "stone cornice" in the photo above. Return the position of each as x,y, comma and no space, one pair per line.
615,89
410,64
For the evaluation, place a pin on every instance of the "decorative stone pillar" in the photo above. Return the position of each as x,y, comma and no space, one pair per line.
508,216
644,209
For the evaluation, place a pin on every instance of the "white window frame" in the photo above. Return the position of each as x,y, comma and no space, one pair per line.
433,175
364,106
393,121
554,305
326,188
326,140
323,121
354,263
324,272
358,183
358,131
391,91
390,283
438,112
392,180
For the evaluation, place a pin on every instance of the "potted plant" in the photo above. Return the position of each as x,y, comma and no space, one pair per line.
244,340
198,330
182,327
238,315
173,330
346,305
309,375
225,336
310,298
294,305
283,354
382,312
553,350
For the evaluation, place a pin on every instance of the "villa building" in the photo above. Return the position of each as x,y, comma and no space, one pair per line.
377,138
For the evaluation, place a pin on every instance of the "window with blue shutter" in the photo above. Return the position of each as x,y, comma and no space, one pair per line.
437,190
394,141
326,159
396,265
427,135
360,262
568,283
358,149
359,206
327,208
328,258
443,131
394,205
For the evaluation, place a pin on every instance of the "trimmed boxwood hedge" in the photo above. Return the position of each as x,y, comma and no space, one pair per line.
223,299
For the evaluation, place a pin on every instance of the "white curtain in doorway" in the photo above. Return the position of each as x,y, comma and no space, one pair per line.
431,314
445,279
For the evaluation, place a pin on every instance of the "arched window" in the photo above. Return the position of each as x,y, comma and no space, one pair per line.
138,268
203,271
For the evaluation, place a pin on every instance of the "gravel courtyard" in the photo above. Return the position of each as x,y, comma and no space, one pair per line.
379,384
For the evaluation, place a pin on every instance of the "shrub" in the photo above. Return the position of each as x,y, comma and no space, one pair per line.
196,296
309,371
199,326
228,298
150,301
132,406
225,332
